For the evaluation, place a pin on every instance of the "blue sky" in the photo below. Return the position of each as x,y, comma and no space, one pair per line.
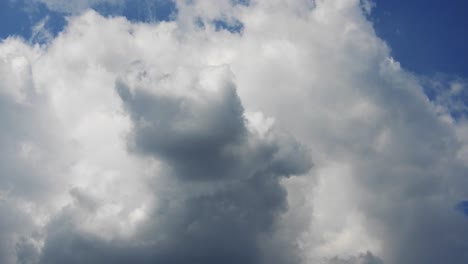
426,36
18,17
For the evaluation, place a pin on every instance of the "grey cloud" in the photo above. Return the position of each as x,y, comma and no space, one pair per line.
27,252
84,199
365,258
226,192
204,140
196,142
13,223
414,180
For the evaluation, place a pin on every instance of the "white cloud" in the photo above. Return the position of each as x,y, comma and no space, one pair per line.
114,132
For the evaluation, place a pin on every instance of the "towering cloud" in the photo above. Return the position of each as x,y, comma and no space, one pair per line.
241,132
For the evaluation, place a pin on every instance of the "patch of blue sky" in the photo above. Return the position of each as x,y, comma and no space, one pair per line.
234,26
426,36
241,2
462,207
448,91
21,17
429,38
18,18
140,10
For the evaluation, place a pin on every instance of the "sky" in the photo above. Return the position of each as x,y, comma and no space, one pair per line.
229,131
427,37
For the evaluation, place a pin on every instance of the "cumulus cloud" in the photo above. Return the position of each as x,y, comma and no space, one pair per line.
185,141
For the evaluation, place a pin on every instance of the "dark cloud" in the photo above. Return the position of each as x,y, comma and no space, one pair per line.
225,178
199,141
366,258
13,223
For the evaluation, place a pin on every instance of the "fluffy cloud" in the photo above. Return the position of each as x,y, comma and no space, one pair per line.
175,142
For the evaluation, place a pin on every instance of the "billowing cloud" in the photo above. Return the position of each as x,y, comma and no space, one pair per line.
187,141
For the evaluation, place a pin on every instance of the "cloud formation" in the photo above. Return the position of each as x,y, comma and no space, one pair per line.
183,142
